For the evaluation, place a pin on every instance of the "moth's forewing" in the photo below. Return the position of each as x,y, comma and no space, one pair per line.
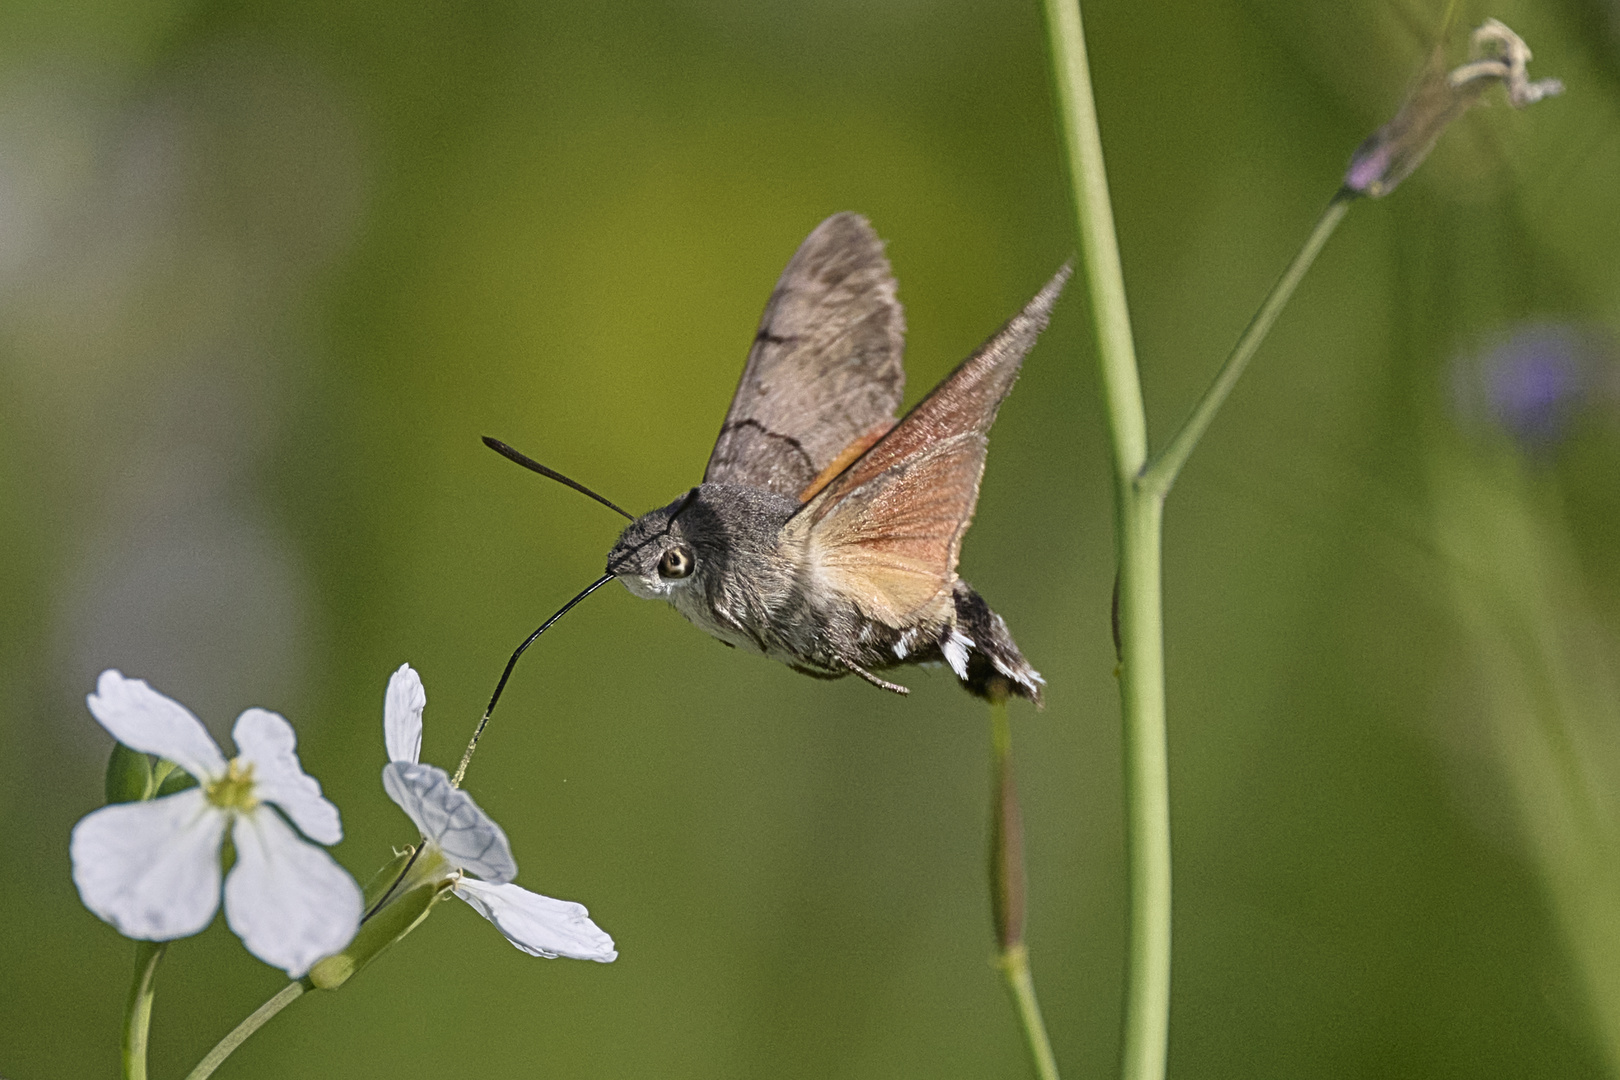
825,367
887,530
965,400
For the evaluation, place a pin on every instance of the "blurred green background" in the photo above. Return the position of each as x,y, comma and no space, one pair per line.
268,270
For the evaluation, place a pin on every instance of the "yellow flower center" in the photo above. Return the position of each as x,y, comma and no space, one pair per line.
235,790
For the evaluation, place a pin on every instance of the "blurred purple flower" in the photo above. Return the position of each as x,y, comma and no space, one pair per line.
1536,381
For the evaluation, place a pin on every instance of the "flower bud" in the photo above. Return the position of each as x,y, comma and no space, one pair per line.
1006,857
1391,153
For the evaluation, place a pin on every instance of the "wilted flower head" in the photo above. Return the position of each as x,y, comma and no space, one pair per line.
460,840
1390,154
152,869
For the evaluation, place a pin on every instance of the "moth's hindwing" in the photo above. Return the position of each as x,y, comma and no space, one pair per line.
892,544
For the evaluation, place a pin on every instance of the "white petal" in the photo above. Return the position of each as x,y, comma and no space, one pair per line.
449,817
538,925
151,868
288,901
143,719
402,715
267,741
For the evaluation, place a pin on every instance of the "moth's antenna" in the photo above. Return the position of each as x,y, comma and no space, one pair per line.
529,463
461,770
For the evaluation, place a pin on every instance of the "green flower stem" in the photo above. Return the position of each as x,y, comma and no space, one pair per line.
1158,477
1146,1019
1014,965
382,932
259,1017
1007,892
138,1013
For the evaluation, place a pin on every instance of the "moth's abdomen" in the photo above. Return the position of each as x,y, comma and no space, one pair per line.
980,649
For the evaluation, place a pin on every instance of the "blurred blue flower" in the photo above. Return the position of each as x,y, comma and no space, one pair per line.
1535,382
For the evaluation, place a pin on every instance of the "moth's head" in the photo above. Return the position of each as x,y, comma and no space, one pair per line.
714,534
656,554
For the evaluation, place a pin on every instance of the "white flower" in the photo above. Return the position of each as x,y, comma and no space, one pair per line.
152,869
464,840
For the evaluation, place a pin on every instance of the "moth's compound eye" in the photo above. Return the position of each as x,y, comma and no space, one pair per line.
675,563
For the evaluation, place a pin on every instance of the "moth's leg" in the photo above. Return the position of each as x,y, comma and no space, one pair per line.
881,684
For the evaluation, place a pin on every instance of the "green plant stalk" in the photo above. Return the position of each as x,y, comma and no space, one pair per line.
138,1013
1161,474
256,1020
1547,693
1146,1013
1145,1023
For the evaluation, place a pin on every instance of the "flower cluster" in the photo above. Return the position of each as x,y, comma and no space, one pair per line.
1537,383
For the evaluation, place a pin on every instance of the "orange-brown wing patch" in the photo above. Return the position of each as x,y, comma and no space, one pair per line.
838,464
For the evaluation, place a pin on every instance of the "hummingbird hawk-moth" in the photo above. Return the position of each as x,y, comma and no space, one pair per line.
825,533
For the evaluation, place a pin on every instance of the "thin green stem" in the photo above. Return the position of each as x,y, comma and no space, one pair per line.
1158,476
1015,966
239,1034
138,1012
1138,518
1007,888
